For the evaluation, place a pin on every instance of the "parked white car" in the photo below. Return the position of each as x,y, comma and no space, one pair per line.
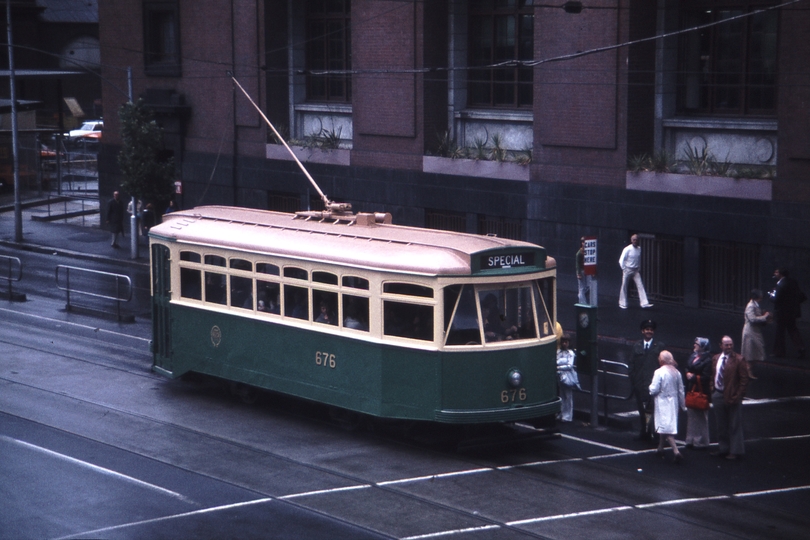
89,129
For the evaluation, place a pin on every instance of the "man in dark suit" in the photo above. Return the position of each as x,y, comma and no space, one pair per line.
729,382
643,363
787,299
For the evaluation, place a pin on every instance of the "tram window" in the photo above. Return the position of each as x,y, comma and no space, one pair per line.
408,289
460,305
507,314
325,307
355,282
215,288
241,264
545,306
296,302
190,256
190,283
355,312
325,277
408,320
215,260
267,298
241,292
267,268
295,273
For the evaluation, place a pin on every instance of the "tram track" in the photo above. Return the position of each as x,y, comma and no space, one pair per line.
206,438
306,499
297,499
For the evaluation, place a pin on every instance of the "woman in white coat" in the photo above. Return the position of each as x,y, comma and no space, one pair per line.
753,344
667,389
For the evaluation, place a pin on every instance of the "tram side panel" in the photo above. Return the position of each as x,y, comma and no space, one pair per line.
316,366
376,379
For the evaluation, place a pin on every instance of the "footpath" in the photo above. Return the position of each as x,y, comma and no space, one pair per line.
82,237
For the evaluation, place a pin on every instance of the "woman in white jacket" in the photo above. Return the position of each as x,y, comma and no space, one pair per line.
667,389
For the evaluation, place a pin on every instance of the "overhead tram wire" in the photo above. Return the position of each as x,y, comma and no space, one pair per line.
561,58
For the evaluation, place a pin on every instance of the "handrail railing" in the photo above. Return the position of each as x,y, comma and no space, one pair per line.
12,267
95,278
622,371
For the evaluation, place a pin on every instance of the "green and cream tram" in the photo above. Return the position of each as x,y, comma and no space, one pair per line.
351,311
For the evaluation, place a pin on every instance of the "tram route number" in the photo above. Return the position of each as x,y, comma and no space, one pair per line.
509,396
325,359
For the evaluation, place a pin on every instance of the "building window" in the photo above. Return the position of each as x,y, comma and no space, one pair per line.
500,31
328,49
161,25
729,68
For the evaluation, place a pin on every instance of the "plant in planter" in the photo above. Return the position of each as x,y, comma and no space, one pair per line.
661,161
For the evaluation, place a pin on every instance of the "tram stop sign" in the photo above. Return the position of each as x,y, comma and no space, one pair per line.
590,256
587,352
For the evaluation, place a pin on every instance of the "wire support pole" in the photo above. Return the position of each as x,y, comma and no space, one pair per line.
327,203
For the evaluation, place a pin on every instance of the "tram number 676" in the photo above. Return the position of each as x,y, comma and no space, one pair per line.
325,359
509,396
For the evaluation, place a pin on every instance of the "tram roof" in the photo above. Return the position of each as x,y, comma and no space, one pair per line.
378,246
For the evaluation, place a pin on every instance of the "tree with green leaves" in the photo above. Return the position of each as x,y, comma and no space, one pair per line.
148,172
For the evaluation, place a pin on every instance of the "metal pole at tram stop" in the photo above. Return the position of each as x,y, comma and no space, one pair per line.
588,354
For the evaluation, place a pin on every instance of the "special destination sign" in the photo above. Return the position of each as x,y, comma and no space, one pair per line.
495,261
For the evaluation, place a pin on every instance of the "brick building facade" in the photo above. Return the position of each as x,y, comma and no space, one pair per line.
381,96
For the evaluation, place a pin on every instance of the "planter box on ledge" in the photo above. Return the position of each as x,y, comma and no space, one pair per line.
504,170
708,186
337,156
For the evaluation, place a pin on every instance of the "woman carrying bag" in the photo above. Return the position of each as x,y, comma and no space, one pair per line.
698,379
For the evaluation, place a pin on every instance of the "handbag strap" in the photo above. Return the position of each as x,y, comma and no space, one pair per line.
699,386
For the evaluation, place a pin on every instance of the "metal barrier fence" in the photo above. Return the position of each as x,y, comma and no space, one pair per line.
613,377
94,283
12,271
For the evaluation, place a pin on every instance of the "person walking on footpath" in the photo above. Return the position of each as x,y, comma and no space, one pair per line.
630,263
643,363
115,218
699,377
583,281
667,389
753,342
729,383
787,299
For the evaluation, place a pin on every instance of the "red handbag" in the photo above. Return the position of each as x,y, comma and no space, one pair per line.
696,399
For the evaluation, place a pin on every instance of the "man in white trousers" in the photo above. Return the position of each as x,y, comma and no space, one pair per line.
630,262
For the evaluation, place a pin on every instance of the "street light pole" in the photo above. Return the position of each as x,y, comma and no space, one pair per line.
133,218
18,232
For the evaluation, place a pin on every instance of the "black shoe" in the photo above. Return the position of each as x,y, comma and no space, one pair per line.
718,453
678,458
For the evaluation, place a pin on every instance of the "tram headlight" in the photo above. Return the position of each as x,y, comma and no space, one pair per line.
515,378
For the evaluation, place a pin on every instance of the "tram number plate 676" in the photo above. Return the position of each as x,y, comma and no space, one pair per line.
509,396
325,359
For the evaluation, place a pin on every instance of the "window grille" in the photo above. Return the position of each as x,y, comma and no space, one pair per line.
728,272
446,221
661,268
500,226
